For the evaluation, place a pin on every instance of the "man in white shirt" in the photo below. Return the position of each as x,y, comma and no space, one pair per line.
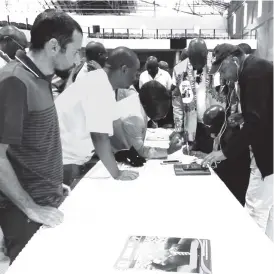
153,72
86,112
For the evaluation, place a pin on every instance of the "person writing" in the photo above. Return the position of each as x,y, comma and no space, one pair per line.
153,102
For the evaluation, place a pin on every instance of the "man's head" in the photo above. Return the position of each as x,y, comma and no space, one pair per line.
246,48
164,65
197,53
184,55
214,118
59,37
155,100
227,62
152,66
12,39
122,63
96,51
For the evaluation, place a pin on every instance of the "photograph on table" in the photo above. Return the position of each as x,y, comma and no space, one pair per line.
165,254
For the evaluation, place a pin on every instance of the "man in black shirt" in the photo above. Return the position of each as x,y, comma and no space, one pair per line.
255,79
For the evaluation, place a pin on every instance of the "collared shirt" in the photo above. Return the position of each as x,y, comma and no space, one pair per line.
29,125
162,77
86,106
88,66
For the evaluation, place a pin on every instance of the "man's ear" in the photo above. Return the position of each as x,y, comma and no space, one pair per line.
52,46
124,68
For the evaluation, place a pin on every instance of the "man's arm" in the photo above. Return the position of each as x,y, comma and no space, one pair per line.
141,80
133,129
103,149
178,108
10,185
254,117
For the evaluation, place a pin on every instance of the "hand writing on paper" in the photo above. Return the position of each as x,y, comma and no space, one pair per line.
127,175
45,215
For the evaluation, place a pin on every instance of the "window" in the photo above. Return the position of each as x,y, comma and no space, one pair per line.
234,23
245,14
260,8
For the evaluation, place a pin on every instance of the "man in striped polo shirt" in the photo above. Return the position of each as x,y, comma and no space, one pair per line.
31,169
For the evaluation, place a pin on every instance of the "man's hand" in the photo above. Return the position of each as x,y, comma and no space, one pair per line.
45,215
175,144
67,190
235,119
127,175
213,157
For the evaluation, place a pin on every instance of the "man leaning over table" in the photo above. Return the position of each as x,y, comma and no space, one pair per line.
31,173
255,78
86,115
152,102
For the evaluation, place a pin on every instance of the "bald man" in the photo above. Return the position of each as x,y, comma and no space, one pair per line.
11,39
87,110
153,72
96,56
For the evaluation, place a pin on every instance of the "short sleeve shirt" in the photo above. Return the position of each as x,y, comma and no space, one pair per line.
87,106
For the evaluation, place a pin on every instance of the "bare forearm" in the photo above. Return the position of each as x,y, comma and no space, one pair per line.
104,151
10,185
152,152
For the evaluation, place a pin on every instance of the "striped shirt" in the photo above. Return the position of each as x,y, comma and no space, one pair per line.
29,125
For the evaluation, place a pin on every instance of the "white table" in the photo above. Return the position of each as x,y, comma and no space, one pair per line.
101,213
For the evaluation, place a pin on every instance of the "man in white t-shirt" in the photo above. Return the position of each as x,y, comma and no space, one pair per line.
86,112
153,72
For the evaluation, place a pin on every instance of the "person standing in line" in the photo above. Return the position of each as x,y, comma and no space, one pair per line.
255,78
31,170
86,115
153,72
11,39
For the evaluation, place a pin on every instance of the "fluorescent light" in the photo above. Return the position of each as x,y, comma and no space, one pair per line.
260,8
245,14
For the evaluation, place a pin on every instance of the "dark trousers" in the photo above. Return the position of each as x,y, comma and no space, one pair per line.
233,172
73,173
17,229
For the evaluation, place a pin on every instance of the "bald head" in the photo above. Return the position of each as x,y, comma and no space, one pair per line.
96,51
122,56
197,53
163,65
12,39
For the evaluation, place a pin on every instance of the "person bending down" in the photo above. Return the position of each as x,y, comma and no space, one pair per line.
152,102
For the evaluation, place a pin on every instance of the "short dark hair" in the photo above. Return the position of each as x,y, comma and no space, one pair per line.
154,98
121,56
246,48
53,24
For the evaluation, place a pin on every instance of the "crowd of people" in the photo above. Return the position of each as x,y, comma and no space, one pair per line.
59,110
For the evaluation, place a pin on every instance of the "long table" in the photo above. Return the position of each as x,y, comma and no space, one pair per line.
101,213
